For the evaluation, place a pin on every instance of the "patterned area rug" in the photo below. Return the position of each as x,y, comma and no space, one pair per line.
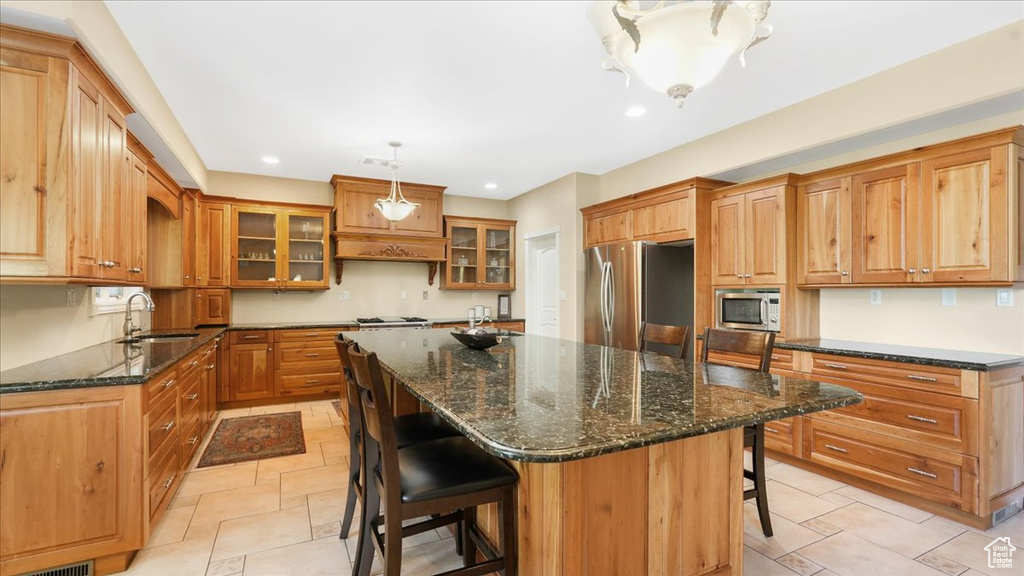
254,437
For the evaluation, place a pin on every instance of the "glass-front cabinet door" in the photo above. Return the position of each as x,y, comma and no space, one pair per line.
279,248
306,252
481,254
255,247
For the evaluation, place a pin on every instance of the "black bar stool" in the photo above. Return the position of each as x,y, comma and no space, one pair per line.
426,479
759,344
409,429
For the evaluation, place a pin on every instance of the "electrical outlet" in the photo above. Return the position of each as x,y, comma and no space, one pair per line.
426,294
949,296
402,345
72,300
277,294
1004,297
345,295
476,296
561,295
875,297
401,295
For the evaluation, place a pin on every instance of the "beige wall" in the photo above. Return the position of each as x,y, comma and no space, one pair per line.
36,323
551,206
374,287
99,32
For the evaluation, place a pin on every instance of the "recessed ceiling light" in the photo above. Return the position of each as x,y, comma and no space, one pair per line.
491,186
270,160
636,111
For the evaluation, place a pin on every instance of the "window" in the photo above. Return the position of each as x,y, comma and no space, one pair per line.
111,299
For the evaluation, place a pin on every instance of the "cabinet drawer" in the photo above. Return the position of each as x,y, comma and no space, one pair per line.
163,424
841,369
308,383
782,360
250,337
939,420
157,388
190,438
188,366
784,436
190,401
941,476
163,474
321,335
313,359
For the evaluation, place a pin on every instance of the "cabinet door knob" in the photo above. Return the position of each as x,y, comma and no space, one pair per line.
912,271
845,273
739,275
925,270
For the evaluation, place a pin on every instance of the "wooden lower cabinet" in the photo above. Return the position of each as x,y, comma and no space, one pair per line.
517,326
251,365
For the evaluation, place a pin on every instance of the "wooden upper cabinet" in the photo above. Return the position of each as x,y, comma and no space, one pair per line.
354,200
965,218
664,214
481,254
188,239
116,224
31,129
728,241
885,225
138,212
276,246
823,232
749,234
85,205
213,254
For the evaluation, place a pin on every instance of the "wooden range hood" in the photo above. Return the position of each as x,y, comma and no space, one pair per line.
362,233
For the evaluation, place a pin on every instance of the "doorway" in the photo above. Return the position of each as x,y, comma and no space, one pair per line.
542,267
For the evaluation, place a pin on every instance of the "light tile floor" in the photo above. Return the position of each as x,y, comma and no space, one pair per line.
281,517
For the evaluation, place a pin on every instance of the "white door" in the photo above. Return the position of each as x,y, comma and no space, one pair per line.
542,284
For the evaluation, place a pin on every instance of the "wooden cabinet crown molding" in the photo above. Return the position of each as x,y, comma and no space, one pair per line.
652,196
788,179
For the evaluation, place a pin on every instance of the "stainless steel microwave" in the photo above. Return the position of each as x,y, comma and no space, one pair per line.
748,310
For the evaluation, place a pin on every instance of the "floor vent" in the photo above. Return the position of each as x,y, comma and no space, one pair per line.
1004,513
78,569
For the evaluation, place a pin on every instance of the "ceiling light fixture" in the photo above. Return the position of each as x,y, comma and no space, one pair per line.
395,207
491,186
677,46
270,160
636,111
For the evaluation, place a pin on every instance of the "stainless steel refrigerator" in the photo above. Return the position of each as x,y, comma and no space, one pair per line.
632,282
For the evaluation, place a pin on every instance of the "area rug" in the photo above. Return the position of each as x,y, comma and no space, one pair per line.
254,437
337,407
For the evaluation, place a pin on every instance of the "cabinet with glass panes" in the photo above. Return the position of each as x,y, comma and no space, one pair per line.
279,247
481,254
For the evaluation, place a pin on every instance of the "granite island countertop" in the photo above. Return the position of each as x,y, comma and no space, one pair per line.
539,399
107,364
961,359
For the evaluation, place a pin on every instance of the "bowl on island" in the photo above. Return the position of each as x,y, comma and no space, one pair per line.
477,338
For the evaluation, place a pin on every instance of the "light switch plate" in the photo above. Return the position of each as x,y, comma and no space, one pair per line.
426,294
401,295
875,297
476,296
561,295
72,298
949,296
345,295
1004,297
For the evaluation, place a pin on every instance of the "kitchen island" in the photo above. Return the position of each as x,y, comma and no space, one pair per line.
629,463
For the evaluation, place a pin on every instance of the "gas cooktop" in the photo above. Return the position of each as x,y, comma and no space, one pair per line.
394,322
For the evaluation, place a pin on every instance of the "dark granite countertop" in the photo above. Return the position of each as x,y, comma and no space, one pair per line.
464,320
540,399
312,324
106,364
964,360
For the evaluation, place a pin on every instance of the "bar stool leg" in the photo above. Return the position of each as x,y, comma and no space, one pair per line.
509,547
468,545
392,543
365,546
353,477
759,481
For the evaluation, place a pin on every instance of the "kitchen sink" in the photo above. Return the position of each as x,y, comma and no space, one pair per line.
161,337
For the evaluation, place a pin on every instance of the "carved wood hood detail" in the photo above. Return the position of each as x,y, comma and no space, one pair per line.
362,233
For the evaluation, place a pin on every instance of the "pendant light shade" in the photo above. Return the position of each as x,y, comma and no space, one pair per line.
395,207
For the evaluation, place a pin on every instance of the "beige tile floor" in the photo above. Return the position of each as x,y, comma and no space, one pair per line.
281,517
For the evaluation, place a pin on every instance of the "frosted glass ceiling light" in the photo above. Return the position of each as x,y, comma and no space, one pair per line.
395,207
678,46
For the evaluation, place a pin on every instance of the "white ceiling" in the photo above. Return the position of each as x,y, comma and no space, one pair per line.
505,92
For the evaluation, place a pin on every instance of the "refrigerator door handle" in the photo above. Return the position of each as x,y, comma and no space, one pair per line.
604,300
611,298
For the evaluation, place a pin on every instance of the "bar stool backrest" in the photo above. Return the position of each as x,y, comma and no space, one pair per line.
669,335
381,446
759,344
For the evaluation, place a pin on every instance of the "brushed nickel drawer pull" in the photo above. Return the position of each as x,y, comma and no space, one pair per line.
194,364
312,355
251,337
169,383
836,366
922,473
168,426
170,481
193,397
211,366
922,419
922,378
835,448
772,430
312,381
192,441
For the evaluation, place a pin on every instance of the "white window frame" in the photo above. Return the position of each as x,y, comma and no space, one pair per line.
111,299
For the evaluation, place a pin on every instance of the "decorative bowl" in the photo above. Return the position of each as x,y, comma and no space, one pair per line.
477,338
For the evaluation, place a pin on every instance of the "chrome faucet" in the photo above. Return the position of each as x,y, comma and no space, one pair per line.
486,318
129,325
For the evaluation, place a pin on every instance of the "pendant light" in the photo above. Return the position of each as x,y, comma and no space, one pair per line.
395,207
